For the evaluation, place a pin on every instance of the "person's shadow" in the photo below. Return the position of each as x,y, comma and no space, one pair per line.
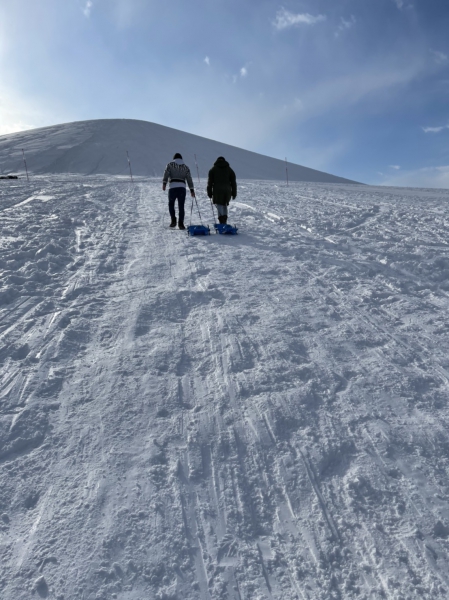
42,587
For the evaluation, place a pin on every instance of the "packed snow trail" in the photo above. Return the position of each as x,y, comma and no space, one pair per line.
253,417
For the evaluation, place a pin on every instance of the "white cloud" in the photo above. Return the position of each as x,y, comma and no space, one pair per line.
345,24
435,129
207,60
88,8
242,74
401,4
285,19
396,167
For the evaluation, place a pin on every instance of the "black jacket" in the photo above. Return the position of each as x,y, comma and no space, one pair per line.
221,183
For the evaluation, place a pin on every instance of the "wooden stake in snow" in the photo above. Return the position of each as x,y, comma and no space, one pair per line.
286,170
25,163
129,164
197,170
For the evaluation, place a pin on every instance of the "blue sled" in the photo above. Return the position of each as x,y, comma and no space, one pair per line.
227,229
198,230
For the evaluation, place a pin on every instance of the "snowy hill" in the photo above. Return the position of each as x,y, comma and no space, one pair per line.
262,417
93,147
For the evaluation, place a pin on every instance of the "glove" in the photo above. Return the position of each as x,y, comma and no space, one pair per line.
234,197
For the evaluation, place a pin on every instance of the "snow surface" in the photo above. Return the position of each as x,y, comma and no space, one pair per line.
100,146
255,417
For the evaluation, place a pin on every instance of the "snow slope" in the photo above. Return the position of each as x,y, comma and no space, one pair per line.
254,417
92,147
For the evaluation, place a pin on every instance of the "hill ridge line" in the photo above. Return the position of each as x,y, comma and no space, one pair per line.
98,146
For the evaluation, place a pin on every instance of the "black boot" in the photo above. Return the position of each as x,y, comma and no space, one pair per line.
220,219
225,219
173,222
181,225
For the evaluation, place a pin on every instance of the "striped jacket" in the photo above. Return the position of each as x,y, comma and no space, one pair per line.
177,172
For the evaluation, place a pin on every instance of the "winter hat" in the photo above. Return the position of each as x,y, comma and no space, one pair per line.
221,158
177,155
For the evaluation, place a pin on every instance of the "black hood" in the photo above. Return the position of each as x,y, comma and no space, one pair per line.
221,162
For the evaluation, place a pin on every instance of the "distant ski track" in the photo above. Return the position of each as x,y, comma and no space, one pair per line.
256,417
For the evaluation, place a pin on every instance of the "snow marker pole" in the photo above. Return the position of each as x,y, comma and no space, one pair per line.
286,170
129,164
197,170
25,163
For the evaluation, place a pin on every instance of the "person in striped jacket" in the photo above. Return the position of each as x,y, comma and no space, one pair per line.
176,174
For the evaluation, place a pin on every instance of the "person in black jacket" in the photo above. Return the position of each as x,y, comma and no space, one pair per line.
177,172
221,187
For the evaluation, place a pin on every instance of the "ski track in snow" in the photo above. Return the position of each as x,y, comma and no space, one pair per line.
261,416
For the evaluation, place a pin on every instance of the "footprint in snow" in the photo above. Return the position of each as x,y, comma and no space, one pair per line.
20,353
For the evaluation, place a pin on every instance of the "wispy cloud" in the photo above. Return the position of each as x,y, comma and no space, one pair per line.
440,57
126,13
207,60
401,4
435,129
242,74
361,85
395,167
345,24
88,8
427,177
285,18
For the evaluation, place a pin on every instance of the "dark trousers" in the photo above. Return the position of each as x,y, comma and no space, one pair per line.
179,194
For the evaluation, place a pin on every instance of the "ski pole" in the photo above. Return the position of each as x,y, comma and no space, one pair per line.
196,202
212,207
191,211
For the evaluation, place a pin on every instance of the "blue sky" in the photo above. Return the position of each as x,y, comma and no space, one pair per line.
355,88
